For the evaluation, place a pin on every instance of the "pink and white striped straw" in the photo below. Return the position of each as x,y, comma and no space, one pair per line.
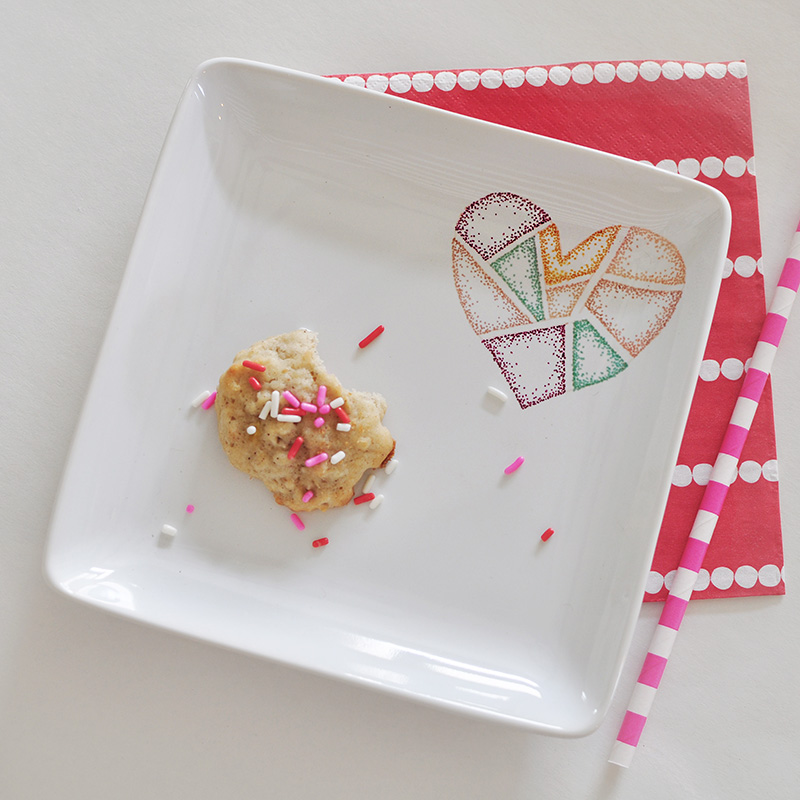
722,475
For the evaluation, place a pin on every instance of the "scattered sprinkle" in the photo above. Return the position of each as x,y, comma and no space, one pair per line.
288,417
320,542
255,383
251,429
189,509
265,411
391,466
339,401
344,427
364,498
513,467
317,459
342,414
321,394
202,397
324,408
275,402
298,523
296,445
368,483
319,422
209,401
371,336
254,365
337,457
291,399
307,496
502,396
376,501
310,407
168,530
547,534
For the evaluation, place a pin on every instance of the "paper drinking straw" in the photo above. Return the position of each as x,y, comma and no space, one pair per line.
722,475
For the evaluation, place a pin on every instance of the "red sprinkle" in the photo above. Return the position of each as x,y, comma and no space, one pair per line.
320,542
294,449
255,383
298,523
364,498
547,534
342,414
372,336
254,365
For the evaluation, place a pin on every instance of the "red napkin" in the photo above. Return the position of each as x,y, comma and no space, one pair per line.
694,119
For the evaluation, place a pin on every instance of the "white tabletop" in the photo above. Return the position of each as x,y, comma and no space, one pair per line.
94,705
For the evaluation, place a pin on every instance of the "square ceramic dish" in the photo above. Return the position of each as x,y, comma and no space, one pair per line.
284,200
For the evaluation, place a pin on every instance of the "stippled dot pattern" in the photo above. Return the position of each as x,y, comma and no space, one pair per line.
556,321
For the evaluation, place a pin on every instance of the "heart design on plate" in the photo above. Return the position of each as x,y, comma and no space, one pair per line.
557,322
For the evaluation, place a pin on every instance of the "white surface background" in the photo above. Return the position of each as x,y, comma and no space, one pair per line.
93,705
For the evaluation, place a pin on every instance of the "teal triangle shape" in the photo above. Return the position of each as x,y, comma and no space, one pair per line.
519,268
593,359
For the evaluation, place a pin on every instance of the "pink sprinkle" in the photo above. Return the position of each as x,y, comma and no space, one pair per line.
254,365
298,523
321,393
310,407
319,422
291,399
209,401
255,383
515,466
320,542
317,459
189,508
324,409
371,337
307,496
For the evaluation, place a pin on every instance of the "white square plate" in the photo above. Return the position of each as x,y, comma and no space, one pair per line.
284,200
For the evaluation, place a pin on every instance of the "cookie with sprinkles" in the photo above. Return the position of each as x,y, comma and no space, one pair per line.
285,427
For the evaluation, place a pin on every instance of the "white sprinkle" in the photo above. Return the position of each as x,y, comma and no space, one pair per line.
265,410
343,426
275,402
201,398
391,466
497,393
168,530
368,483
376,501
337,457
251,429
287,418
339,401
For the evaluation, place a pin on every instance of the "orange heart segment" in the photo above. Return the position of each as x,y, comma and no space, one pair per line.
584,259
